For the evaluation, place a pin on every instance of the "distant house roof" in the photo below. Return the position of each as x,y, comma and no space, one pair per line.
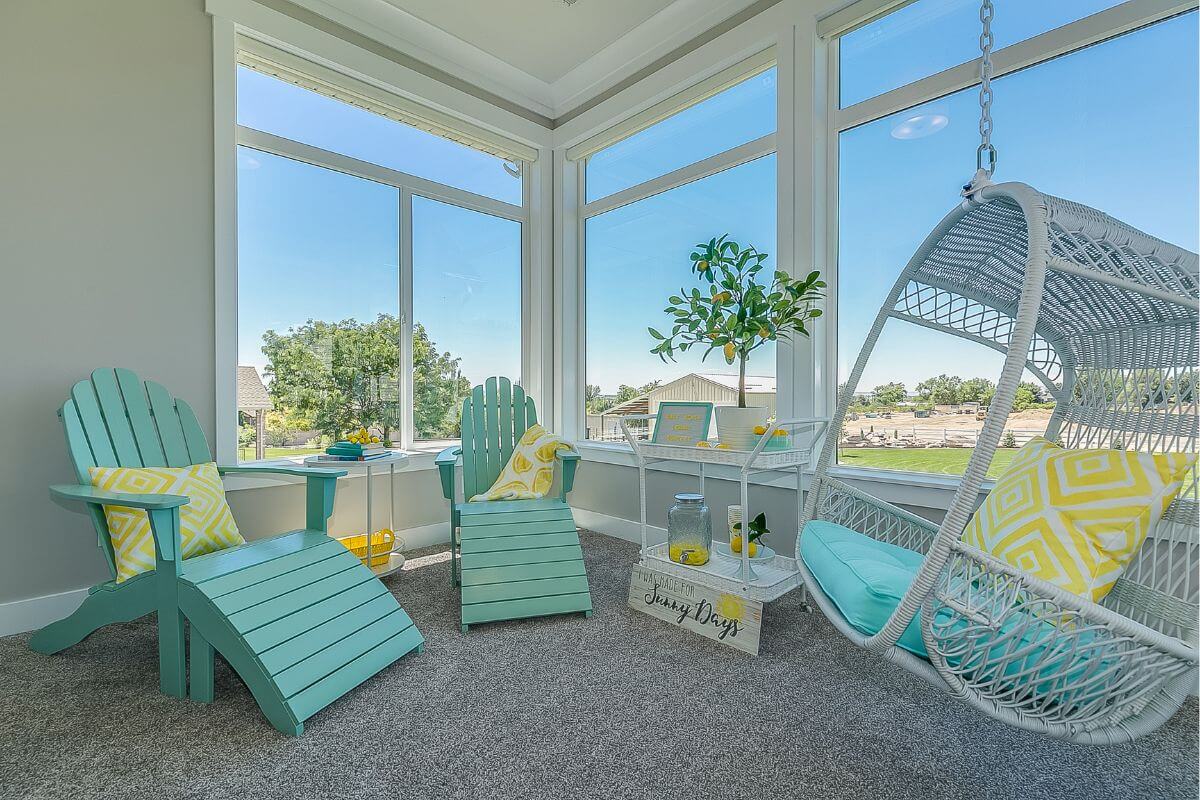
634,405
251,393
759,384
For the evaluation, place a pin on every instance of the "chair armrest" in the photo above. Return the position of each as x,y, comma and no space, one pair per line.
319,491
162,510
570,460
74,493
299,472
446,461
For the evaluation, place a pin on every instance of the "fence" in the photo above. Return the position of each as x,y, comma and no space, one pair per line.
913,436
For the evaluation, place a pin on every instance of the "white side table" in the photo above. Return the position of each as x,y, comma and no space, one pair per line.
392,460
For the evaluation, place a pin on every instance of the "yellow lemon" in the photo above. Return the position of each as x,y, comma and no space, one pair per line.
721,297
703,443
763,333
729,351
702,265
759,430
735,544
780,432
722,446
374,440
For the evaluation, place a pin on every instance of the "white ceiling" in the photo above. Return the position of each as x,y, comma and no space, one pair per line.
545,38
543,55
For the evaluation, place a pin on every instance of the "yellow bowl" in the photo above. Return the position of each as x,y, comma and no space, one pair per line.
382,543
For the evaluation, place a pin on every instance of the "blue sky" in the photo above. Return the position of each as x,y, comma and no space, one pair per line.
1114,126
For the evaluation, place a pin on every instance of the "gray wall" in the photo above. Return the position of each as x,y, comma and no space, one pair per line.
106,239
106,257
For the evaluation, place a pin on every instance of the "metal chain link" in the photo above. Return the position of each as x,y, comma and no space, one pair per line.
986,12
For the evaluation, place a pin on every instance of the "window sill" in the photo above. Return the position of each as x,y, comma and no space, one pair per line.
906,488
418,460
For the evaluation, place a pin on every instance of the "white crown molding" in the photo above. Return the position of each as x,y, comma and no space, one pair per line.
674,26
413,36
666,30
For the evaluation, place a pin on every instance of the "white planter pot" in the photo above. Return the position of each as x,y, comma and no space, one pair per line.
735,426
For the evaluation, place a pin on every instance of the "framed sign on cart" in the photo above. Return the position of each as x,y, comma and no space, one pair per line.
682,423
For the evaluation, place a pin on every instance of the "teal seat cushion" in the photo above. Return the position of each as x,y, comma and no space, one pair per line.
865,578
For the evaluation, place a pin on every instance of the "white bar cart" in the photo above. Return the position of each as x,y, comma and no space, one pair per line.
764,580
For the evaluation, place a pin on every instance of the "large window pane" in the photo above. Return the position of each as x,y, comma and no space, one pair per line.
274,106
1113,126
318,267
740,114
929,36
466,309
637,257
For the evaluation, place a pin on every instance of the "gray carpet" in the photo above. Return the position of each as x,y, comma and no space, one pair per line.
618,706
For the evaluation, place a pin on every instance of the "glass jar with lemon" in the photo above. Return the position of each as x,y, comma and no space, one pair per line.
689,530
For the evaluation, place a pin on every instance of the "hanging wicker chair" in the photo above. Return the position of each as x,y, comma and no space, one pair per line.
1106,317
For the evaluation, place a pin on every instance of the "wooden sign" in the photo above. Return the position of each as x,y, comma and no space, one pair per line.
682,423
726,618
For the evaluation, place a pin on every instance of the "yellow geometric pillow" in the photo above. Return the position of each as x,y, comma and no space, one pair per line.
205,524
1076,518
530,469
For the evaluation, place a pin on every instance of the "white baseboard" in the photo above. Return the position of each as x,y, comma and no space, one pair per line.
619,527
19,616
425,535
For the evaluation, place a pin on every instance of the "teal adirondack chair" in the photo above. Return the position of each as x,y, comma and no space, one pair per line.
511,558
297,616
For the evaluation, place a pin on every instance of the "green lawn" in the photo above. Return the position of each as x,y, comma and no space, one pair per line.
939,460
247,454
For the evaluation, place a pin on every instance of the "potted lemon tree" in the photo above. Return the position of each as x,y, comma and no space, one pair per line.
735,311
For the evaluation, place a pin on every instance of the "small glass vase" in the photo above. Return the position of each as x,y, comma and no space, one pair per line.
689,530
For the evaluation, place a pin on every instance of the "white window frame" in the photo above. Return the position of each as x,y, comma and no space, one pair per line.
1074,36
573,163
228,38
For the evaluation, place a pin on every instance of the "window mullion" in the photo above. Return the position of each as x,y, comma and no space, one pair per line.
407,390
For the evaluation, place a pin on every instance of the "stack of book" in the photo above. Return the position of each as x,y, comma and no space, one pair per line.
350,451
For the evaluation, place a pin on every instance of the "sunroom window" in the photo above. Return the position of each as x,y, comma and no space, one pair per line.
923,396
707,171
379,273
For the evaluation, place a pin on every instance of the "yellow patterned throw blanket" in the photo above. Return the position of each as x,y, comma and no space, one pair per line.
530,470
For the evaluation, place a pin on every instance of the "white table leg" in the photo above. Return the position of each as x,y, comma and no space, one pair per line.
369,526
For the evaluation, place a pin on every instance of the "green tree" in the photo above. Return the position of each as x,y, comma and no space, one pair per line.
977,390
438,389
943,390
624,393
345,375
889,394
1027,395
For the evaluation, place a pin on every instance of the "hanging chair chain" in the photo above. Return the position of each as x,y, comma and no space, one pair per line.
985,155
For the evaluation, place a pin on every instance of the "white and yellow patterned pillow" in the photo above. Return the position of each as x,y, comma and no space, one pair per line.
205,524
1076,518
530,469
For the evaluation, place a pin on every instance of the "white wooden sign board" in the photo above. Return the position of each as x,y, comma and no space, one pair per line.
726,618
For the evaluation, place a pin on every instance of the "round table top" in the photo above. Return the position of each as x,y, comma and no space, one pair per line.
393,458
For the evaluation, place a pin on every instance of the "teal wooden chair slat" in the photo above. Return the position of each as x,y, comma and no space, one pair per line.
297,616
511,558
